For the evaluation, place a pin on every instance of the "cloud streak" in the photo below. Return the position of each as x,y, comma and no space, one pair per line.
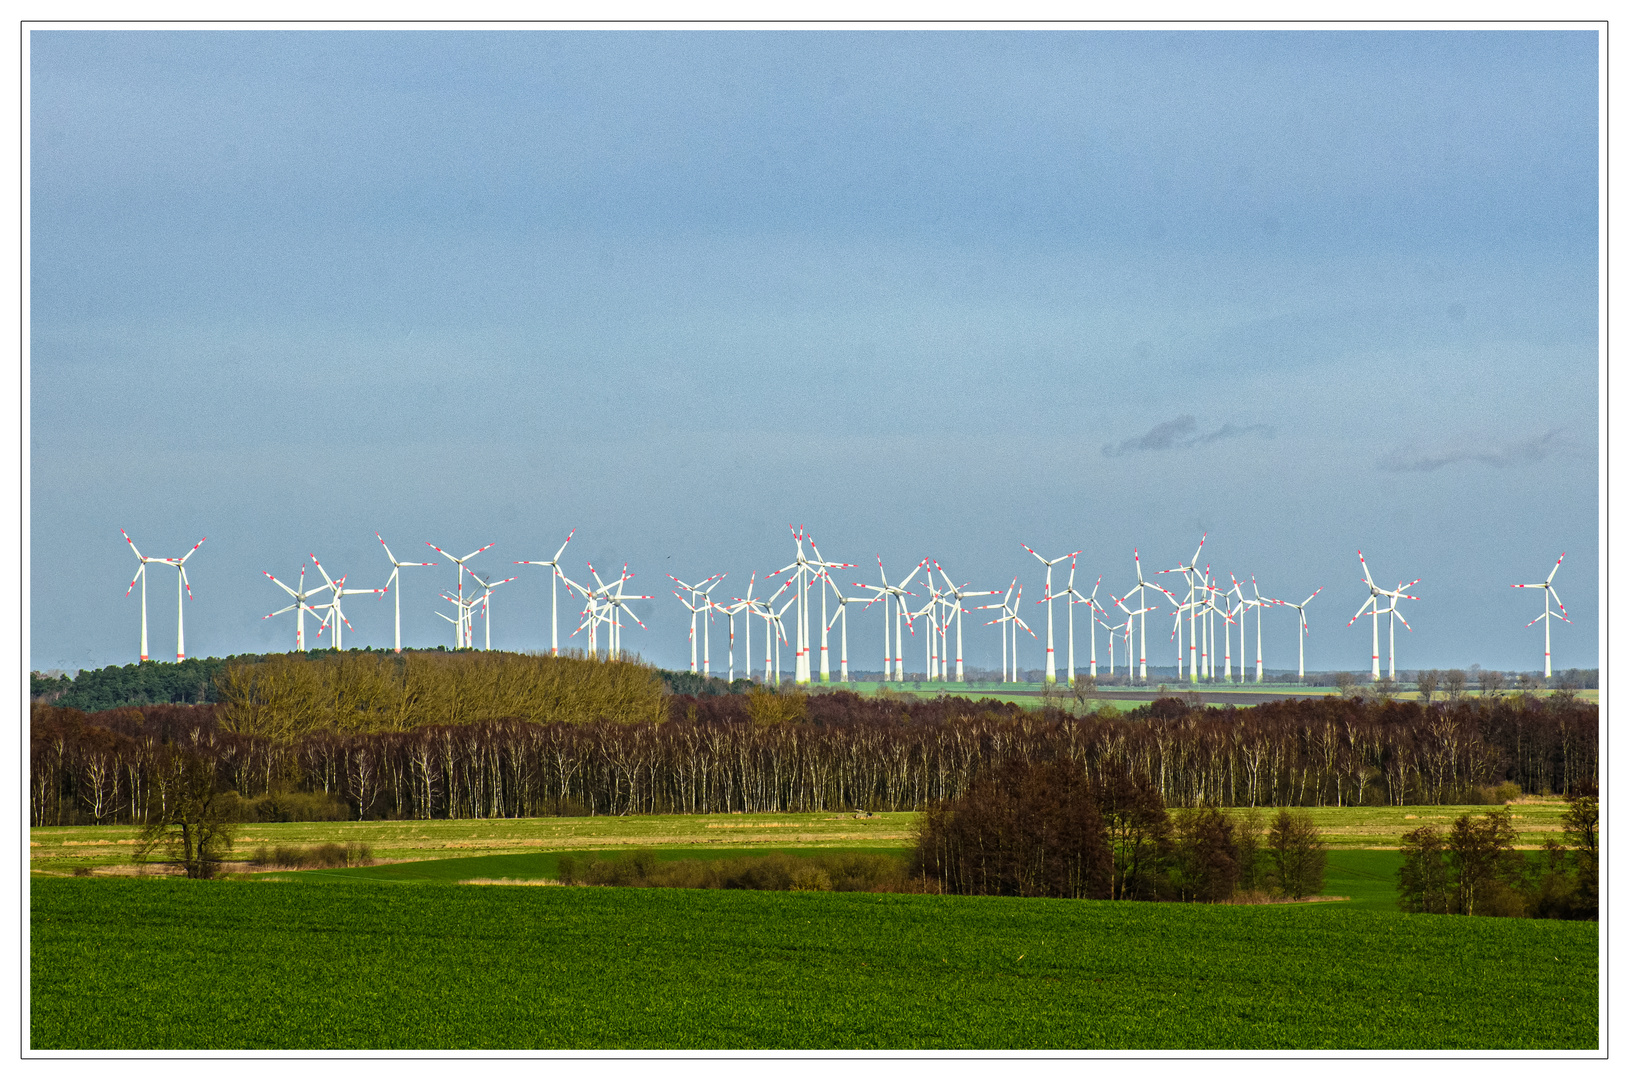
1178,434
1508,455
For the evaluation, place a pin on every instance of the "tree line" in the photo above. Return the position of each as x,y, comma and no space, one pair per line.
769,752
198,680
1051,829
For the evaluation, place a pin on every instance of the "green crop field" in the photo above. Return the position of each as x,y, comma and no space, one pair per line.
173,964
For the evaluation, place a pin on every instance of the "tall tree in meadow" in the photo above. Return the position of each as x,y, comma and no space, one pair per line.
190,817
1296,851
1422,880
1483,862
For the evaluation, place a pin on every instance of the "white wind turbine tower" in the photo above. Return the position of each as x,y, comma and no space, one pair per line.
730,611
896,673
1002,620
842,613
1396,595
764,610
802,571
1301,638
485,601
1188,572
395,573
465,638
1260,604
299,607
1009,617
1372,605
707,625
749,606
1141,589
555,576
1228,620
928,614
1110,627
463,624
1092,608
699,601
1131,615
1051,663
615,601
181,583
956,596
333,605
1549,591
778,636
1073,598
824,569
141,576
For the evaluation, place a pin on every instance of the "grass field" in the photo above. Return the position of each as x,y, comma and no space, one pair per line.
1367,878
221,965
62,850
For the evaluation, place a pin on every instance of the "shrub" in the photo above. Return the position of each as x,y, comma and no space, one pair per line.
317,857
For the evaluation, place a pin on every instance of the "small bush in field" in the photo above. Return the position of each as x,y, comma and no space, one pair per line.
767,873
319,857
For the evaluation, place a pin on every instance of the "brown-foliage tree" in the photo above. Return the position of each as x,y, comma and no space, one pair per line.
1025,830
191,821
1204,856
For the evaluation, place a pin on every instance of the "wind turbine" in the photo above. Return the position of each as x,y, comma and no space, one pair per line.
1051,664
1009,618
1092,609
181,582
615,602
141,576
956,596
1372,606
731,611
1131,615
1006,614
1141,589
339,592
842,613
486,604
1549,591
1188,571
1301,612
1396,595
395,572
802,570
699,601
299,607
825,627
898,593
1078,598
555,575
764,610
1260,603
464,639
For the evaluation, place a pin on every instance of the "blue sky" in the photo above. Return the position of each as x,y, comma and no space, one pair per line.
930,294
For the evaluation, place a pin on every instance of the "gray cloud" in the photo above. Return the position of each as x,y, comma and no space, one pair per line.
1175,434
1523,452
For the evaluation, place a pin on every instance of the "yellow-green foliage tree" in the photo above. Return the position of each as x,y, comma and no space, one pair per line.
288,696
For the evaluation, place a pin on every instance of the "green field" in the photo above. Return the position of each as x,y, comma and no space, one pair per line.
289,965
62,850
